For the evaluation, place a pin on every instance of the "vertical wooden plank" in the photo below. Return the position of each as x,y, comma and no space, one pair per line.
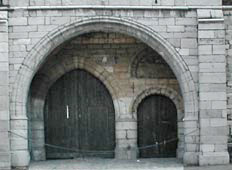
91,123
157,122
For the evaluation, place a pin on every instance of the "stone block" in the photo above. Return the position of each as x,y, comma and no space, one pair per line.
212,59
219,104
121,134
36,21
211,26
217,96
205,122
44,28
212,78
216,13
213,131
204,2
5,162
203,13
132,134
206,34
37,34
27,28
218,49
216,158
190,158
126,125
4,127
205,105
3,47
19,3
207,148
212,67
18,21
166,21
184,52
205,49
18,35
20,158
188,43
186,21
22,41
3,37
59,20
3,15
214,139
19,124
175,29
218,122
168,2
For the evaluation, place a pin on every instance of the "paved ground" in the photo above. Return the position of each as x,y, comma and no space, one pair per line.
111,164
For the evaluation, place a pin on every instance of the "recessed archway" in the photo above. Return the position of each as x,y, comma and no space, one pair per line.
49,42
39,90
178,102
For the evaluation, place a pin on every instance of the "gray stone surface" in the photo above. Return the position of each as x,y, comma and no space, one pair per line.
107,164
193,42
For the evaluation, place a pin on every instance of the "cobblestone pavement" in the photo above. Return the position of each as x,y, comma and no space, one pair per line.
111,164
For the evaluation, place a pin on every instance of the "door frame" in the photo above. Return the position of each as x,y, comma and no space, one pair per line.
176,99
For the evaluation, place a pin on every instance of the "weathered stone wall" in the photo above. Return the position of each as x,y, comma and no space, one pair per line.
5,161
228,27
27,27
201,51
115,53
212,87
113,2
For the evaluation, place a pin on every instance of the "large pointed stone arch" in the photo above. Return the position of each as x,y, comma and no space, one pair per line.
53,39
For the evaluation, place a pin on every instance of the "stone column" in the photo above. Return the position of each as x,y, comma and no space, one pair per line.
212,88
5,162
126,131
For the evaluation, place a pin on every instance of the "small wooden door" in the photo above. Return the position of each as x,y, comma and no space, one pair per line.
157,122
79,115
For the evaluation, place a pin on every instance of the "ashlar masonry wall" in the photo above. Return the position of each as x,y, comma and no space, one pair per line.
27,27
116,53
5,160
228,28
198,36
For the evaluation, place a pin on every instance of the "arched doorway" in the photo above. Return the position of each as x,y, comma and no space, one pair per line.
79,118
39,53
157,127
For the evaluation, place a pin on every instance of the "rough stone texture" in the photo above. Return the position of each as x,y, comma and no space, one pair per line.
228,23
191,42
114,53
5,161
113,2
176,63
212,101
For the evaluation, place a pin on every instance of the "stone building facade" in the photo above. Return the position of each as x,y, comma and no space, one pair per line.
180,49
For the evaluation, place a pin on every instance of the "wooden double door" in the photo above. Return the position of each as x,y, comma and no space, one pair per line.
157,124
79,118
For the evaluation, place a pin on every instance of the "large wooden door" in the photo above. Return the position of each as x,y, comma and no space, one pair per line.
79,115
157,123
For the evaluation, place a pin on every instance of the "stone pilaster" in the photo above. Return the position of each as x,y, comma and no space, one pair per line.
4,93
212,88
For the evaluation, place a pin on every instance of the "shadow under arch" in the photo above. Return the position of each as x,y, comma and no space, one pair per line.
37,56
